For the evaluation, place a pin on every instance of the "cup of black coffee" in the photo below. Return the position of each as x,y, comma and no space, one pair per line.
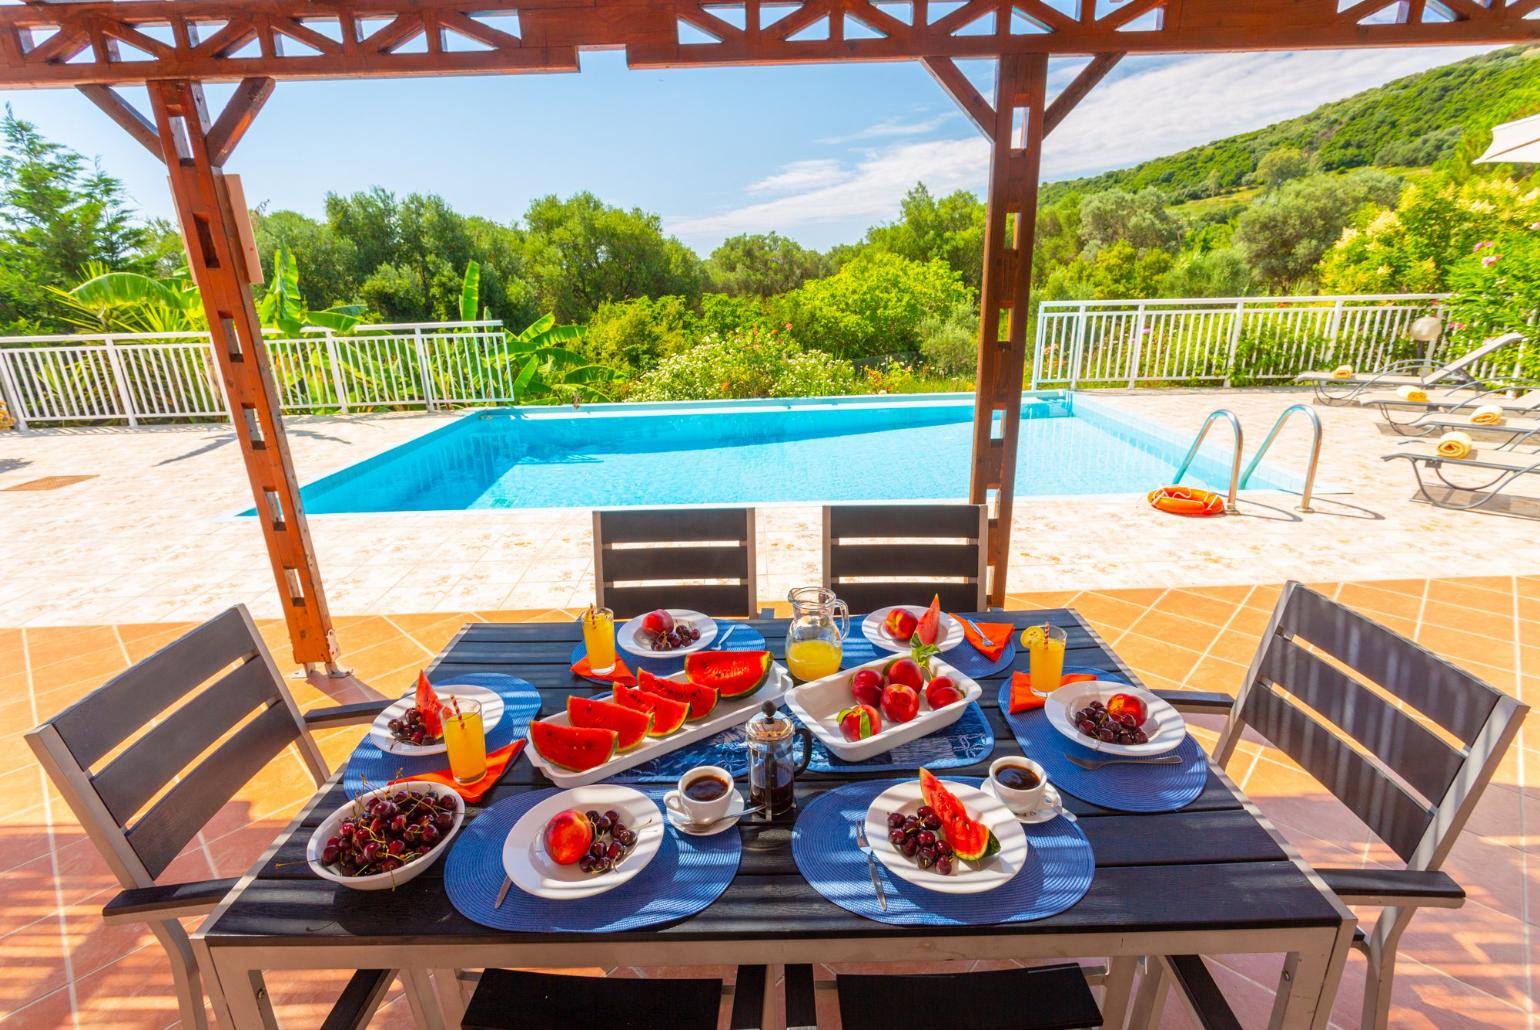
703,796
1018,782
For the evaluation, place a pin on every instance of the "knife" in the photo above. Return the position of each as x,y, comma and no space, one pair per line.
871,867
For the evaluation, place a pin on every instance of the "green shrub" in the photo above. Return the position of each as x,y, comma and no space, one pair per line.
1497,291
745,363
874,305
951,346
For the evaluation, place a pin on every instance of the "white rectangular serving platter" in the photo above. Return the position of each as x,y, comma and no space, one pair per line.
817,705
726,715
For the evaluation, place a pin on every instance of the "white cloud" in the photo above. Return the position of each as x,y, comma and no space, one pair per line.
1141,113
891,127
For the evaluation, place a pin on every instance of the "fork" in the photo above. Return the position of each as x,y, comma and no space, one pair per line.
1093,764
871,867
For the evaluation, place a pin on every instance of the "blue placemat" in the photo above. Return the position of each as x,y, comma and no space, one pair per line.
966,741
1057,873
686,875
1125,788
965,658
744,638
369,767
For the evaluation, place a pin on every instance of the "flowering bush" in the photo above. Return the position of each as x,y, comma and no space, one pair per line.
745,363
1497,290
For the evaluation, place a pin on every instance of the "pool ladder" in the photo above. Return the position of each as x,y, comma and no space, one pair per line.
1239,478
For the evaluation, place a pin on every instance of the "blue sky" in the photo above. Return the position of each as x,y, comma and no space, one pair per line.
815,152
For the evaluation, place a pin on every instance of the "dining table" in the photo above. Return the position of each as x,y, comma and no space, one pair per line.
1213,878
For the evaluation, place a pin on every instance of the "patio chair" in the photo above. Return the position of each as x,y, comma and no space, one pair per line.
1401,373
518,999
699,558
1525,402
1516,430
875,555
1503,464
1409,755
146,760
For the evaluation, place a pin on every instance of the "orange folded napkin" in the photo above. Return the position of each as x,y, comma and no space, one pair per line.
497,763
1022,698
989,639
619,674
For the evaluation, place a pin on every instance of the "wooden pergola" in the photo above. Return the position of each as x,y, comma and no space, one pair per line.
173,47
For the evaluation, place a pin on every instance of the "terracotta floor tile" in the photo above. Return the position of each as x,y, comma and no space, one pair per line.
1192,605
1160,657
1188,633
1498,602
1374,601
1107,610
49,645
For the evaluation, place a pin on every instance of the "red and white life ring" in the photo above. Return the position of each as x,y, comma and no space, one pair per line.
1186,500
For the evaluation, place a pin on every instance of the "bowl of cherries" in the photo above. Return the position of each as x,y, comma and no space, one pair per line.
384,838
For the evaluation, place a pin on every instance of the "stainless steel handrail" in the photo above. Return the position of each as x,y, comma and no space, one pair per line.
1315,450
1235,461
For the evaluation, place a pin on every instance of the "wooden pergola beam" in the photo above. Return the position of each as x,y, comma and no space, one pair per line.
231,40
1076,91
240,111
116,107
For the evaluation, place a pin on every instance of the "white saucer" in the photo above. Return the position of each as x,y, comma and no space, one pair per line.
1049,808
735,809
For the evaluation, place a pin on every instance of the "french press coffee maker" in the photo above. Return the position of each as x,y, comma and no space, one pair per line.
772,766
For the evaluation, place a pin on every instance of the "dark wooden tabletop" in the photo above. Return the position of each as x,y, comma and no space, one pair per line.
1211,866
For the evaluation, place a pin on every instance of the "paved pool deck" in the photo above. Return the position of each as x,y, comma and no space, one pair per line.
149,534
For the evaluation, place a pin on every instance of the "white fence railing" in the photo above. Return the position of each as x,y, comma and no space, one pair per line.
1132,342
139,376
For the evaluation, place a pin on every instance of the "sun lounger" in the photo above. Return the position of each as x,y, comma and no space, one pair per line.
1331,389
1455,403
1508,467
1518,430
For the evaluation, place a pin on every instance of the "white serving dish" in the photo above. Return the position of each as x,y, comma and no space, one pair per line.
817,705
379,730
966,877
534,872
726,715
633,641
951,631
353,810
1163,724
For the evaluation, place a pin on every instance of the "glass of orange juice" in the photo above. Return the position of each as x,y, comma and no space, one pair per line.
599,639
465,740
1045,653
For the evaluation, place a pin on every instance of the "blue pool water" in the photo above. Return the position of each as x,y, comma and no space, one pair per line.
756,452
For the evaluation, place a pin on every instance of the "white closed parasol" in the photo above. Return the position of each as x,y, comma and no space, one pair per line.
1514,143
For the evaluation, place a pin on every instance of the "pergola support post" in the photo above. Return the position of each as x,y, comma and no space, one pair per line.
193,157
1016,139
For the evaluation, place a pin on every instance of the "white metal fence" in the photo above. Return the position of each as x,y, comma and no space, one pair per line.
1250,339
148,376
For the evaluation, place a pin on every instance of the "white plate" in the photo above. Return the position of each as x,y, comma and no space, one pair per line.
1162,723
533,871
352,810
966,877
491,715
871,626
632,640
817,705
734,811
726,714
1048,807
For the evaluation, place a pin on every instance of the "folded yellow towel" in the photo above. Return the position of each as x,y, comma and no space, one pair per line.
1342,372
1487,415
1412,393
1454,445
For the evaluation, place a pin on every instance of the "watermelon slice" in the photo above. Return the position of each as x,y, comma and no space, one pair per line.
667,714
630,725
429,706
572,747
970,839
929,627
732,674
701,699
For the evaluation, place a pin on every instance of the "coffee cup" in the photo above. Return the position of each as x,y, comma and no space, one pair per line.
703,796
1018,782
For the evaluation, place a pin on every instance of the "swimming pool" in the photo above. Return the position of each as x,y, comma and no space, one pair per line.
759,452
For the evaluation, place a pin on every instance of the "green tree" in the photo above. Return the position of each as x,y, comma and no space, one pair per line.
1138,219
745,363
581,252
1280,166
874,305
949,229
60,216
1284,235
763,264
330,260
632,335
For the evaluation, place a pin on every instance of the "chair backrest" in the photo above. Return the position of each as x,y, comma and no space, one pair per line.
1404,739
147,759
700,558
1469,358
875,555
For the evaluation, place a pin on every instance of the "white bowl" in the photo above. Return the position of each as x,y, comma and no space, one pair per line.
353,810
817,705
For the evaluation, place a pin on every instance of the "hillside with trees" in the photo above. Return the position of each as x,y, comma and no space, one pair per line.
1374,193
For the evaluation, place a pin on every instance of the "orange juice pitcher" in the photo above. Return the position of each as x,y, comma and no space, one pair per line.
815,639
